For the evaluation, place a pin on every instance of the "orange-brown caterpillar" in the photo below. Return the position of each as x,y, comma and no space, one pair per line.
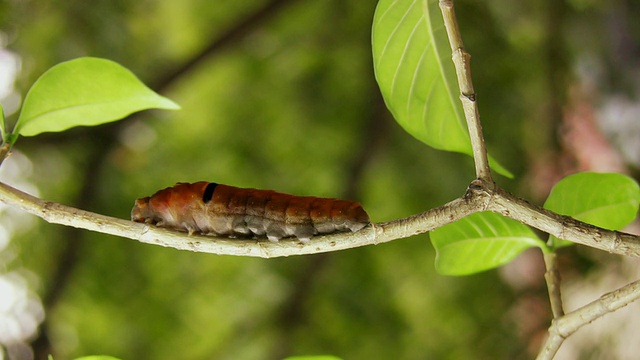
210,208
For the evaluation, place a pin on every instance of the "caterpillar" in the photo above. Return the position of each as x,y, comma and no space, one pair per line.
210,208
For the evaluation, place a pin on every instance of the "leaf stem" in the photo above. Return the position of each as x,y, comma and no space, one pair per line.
462,62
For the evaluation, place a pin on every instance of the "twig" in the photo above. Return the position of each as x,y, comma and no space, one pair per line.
373,234
552,277
564,326
477,199
462,62
563,227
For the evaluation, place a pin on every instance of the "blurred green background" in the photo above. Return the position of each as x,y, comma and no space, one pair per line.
281,95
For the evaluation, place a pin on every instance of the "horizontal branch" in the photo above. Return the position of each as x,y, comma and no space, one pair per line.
370,235
478,198
563,227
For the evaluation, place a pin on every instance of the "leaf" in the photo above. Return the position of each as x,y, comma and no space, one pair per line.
97,357
413,67
607,200
480,242
85,92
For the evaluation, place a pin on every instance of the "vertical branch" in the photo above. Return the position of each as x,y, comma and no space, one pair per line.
552,277
462,62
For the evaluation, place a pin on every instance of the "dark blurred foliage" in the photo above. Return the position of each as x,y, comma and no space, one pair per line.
281,95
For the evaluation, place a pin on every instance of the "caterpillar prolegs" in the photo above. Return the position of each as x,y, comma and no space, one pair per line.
210,208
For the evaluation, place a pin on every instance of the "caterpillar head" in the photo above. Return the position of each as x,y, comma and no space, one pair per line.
141,211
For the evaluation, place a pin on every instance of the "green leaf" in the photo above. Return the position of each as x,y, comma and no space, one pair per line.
97,357
85,92
480,242
608,200
412,62
413,67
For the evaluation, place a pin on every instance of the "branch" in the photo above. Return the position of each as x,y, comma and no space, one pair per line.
563,227
374,234
462,62
552,278
475,200
564,326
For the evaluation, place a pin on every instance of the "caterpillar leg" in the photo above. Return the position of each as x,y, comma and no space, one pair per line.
303,232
